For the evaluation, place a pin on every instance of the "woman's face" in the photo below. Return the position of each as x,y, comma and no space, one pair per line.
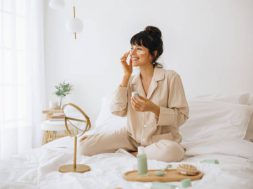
140,55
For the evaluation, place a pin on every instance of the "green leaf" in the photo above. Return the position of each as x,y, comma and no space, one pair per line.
63,89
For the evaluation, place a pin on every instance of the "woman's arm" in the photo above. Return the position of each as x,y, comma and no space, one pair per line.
177,111
119,101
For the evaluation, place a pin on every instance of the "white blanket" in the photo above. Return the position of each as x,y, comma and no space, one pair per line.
38,169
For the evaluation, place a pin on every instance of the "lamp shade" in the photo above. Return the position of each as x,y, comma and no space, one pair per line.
74,25
57,4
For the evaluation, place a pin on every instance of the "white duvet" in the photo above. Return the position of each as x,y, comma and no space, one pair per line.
38,169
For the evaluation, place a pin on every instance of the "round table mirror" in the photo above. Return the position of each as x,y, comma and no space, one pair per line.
76,123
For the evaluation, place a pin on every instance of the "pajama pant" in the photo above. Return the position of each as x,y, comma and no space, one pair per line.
163,150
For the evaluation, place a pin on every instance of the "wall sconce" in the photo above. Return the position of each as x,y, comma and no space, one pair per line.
74,25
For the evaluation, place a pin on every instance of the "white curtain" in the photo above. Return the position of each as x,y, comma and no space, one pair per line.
21,75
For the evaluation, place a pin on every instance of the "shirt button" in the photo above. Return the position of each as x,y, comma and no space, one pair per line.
145,126
144,140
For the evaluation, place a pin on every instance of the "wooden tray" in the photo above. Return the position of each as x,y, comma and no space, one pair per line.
170,176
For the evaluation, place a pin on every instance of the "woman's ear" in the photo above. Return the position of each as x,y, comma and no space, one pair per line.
155,54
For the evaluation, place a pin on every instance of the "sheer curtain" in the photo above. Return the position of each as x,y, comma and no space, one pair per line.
21,75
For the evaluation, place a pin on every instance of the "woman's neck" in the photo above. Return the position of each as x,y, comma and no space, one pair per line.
146,72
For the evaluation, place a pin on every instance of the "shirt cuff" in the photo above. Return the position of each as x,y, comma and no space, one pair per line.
167,117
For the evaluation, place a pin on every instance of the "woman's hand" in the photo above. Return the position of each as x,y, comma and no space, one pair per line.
126,67
141,104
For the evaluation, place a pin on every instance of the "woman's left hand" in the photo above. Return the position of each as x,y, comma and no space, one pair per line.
141,104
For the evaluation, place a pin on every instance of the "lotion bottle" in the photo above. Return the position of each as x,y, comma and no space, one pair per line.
142,163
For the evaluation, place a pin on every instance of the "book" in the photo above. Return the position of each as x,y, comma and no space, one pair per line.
54,114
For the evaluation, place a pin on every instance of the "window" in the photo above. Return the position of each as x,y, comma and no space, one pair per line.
19,52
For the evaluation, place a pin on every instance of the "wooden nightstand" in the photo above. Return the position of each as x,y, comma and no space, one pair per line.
53,127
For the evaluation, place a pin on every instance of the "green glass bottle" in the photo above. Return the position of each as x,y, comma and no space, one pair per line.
142,161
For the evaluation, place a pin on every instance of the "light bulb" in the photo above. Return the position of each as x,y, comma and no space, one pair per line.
57,4
74,25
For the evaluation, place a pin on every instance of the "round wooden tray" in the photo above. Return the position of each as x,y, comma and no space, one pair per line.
170,176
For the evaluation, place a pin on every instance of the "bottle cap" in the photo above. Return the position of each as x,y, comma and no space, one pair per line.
141,150
134,93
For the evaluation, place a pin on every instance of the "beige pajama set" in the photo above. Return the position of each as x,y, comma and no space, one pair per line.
159,135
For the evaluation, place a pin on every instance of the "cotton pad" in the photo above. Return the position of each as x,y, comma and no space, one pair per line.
160,173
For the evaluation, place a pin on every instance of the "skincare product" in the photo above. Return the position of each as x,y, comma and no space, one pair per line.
142,163
134,93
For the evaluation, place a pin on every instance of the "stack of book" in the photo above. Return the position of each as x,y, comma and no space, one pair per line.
54,114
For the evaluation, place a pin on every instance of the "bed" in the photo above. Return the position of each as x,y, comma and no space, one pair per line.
219,128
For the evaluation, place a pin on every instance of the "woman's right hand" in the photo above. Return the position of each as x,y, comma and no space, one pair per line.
128,69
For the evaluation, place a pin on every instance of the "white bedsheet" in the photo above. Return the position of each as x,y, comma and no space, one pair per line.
38,169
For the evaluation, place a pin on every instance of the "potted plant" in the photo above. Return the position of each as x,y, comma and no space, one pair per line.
62,90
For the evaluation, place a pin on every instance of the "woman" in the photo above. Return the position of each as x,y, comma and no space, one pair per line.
154,115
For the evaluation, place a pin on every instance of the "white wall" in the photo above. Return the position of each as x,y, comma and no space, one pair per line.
208,42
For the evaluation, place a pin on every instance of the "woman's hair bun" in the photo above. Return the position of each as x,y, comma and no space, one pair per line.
153,31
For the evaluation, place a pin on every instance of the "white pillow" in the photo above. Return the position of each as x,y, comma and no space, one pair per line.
217,127
211,120
241,98
106,121
239,148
